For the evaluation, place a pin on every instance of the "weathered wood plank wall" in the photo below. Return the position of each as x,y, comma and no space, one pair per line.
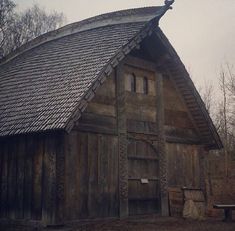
178,122
142,130
140,108
100,115
91,164
28,177
182,153
143,178
91,179
183,165
53,177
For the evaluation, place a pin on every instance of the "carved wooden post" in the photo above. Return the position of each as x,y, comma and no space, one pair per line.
161,146
122,145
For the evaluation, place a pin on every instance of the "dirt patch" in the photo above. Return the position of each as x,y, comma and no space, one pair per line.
166,224
146,223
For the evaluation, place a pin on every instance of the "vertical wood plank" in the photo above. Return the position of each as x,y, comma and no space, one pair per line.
112,176
20,177
93,176
37,178
1,174
60,178
4,177
49,181
12,179
122,136
83,175
161,145
104,151
202,169
28,173
72,182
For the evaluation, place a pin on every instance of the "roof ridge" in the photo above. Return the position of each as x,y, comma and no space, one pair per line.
142,14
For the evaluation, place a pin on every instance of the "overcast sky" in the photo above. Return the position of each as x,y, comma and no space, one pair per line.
201,31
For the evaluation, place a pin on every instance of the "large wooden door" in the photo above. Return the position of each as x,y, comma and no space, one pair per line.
143,178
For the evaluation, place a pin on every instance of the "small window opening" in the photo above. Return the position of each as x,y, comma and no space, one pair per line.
133,83
145,85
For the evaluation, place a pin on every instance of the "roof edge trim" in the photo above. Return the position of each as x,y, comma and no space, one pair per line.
217,141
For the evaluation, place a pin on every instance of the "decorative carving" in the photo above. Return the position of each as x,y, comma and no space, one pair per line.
163,166
122,147
169,2
164,9
123,169
161,146
149,139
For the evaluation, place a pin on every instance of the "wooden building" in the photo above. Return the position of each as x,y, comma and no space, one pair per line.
97,120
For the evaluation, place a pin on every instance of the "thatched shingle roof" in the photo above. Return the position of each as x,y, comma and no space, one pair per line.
47,83
42,86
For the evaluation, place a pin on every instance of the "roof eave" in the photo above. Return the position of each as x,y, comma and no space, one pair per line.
217,143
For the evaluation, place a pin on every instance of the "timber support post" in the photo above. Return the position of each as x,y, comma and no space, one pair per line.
122,142
161,146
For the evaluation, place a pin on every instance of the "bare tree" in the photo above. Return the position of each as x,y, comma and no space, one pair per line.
206,91
225,112
221,106
19,28
7,18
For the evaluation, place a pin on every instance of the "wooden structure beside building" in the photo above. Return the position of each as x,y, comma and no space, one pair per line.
98,119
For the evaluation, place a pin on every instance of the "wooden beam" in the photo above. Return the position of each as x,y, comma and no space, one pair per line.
138,62
179,140
122,142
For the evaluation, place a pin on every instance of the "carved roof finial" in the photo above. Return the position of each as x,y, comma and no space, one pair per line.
168,3
165,8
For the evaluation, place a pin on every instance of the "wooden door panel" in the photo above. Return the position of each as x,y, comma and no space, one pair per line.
143,178
142,168
140,191
138,207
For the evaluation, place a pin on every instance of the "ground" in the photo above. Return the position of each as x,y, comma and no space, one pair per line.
142,223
